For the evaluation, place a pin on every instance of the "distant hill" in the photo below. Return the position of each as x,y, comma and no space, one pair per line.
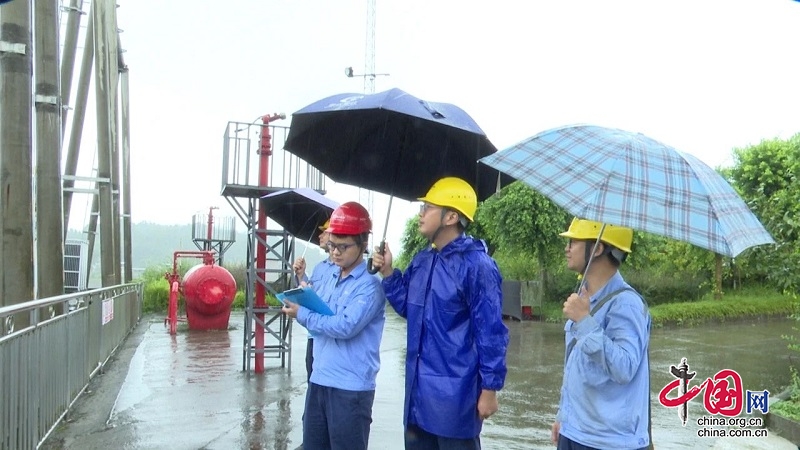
154,244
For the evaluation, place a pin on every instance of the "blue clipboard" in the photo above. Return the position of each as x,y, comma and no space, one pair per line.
305,297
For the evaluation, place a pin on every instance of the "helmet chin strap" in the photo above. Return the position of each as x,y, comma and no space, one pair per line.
589,257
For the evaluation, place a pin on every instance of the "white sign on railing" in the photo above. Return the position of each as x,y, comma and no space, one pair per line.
108,310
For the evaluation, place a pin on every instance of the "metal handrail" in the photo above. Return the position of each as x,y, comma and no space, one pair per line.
47,363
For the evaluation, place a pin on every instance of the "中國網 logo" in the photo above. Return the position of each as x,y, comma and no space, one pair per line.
724,398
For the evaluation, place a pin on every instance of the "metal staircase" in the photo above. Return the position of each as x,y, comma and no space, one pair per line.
255,164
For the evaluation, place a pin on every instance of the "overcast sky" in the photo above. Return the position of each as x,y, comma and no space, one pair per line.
703,76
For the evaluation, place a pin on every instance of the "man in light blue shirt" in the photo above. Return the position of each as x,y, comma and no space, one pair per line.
341,391
605,394
319,275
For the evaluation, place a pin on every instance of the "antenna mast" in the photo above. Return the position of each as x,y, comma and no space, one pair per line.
365,195
369,50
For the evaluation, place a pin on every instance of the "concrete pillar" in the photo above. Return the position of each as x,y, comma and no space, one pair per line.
74,13
16,215
49,229
106,70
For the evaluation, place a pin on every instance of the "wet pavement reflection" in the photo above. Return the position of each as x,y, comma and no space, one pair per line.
189,392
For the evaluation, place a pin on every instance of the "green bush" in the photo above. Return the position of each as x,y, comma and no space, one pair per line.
559,285
155,296
659,287
154,273
518,267
156,287
240,299
239,272
790,407
751,302
745,303
273,301
786,408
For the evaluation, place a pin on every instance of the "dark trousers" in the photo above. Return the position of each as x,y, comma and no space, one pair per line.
419,439
336,419
309,357
569,444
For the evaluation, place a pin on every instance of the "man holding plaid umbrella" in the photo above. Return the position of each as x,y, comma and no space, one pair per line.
605,394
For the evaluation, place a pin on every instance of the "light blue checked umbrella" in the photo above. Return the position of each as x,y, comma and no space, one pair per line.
628,179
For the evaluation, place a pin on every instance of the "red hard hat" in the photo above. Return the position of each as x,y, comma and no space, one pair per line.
350,219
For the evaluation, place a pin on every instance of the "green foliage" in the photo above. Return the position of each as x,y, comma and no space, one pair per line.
519,220
156,287
789,408
668,286
155,296
154,273
558,282
651,251
239,300
517,266
239,272
553,312
412,241
766,177
748,303
558,285
272,300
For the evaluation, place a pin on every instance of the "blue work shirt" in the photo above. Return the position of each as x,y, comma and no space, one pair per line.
321,275
322,271
318,273
347,344
605,394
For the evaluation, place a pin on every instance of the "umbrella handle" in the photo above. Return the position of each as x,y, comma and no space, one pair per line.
381,250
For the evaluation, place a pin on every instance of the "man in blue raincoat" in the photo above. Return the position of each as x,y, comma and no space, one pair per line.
451,297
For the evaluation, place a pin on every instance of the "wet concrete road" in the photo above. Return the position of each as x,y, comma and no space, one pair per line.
189,392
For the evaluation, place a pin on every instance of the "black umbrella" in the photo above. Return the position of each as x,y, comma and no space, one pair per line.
299,211
394,143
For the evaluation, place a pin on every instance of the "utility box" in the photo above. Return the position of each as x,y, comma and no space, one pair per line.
75,261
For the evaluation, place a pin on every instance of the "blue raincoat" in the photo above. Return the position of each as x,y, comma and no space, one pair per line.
457,341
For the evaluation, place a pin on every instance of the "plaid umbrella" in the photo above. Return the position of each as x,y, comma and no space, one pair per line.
628,179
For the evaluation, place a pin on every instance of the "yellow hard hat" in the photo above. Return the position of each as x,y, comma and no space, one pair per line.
453,193
325,225
619,237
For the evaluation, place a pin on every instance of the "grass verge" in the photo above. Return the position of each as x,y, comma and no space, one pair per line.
744,304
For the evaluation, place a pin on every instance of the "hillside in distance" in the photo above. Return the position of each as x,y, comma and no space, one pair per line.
154,244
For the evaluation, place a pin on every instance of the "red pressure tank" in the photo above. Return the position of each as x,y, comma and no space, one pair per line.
209,290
